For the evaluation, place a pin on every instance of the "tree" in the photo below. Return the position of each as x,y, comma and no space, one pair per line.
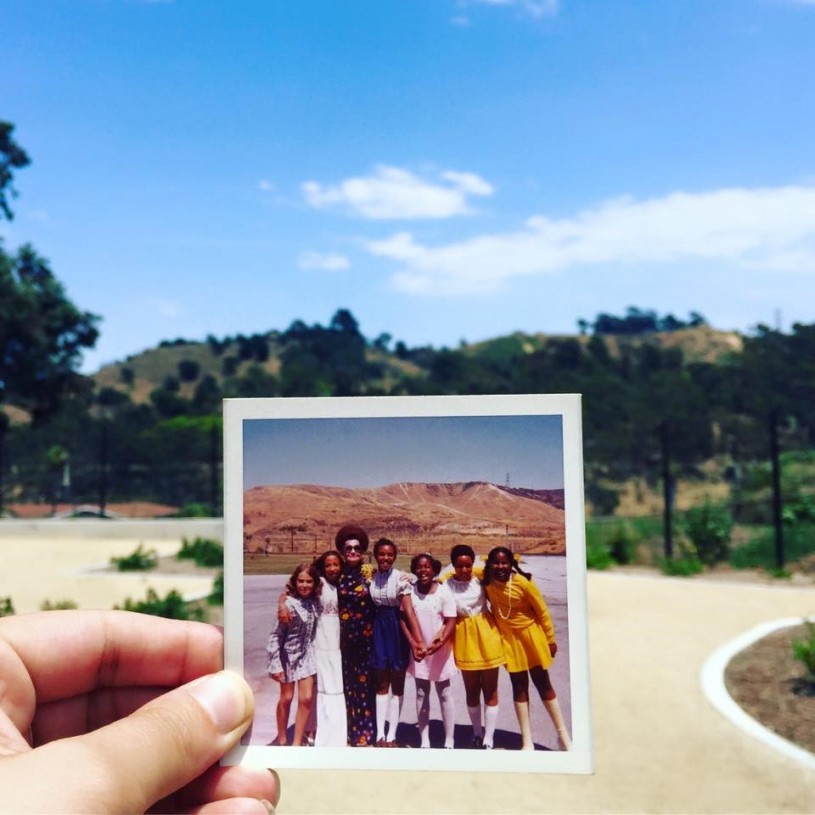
12,157
42,334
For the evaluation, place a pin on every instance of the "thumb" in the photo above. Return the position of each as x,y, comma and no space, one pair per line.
130,764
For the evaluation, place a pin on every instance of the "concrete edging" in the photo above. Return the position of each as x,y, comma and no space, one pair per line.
714,688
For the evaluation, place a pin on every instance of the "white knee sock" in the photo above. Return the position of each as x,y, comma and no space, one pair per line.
423,710
522,712
394,712
448,711
475,718
490,720
553,709
381,714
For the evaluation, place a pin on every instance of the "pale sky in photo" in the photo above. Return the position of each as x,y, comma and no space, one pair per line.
448,170
378,451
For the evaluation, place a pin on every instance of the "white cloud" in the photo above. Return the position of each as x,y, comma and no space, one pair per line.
770,229
392,193
161,307
331,262
534,8
266,186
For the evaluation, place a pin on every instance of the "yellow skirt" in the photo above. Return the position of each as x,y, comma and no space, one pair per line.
526,648
477,644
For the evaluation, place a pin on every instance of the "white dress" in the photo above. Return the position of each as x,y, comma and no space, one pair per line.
431,610
331,719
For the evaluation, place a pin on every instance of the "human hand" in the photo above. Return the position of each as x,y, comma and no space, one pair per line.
278,677
553,648
283,613
116,712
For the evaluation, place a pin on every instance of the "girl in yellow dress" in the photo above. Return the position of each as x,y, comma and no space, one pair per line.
529,639
477,646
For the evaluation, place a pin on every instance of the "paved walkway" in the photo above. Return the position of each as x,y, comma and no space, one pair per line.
660,746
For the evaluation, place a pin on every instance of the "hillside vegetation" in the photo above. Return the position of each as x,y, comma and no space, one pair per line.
655,390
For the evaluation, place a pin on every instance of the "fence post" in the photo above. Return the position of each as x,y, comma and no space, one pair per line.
667,490
775,459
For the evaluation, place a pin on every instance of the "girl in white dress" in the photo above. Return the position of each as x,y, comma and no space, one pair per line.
332,728
435,610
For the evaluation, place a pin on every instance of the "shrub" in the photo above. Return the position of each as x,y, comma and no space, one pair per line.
622,547
804,651
216,597
194,510
171,606
686,565
598,555
47,605
709,527
138,561
204,551
6,607
759,552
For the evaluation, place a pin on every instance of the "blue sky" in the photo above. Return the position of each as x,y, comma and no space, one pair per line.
375,452
446,169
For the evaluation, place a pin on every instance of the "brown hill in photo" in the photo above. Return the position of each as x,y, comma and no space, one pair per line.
418,517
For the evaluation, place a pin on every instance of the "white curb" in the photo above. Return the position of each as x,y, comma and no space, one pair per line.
713,685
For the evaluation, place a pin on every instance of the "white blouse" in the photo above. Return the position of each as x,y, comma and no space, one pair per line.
470,597
388,588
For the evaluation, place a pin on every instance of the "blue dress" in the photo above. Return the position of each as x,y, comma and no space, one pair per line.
391,649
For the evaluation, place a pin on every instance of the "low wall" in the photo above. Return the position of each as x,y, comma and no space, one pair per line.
150,528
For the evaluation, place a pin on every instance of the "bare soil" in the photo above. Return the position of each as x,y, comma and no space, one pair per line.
768,683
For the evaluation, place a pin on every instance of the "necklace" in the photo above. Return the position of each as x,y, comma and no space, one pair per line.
509,610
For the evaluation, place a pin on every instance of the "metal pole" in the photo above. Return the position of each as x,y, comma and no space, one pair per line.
3,426
103,469
667,489
213,470
776,471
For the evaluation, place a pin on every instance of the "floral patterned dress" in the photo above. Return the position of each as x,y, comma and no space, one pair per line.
356,643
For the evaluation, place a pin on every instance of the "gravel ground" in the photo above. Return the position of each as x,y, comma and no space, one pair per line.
768,683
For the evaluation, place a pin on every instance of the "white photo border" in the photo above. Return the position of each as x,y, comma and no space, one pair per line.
580,758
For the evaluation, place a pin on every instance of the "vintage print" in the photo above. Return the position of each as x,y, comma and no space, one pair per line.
405,582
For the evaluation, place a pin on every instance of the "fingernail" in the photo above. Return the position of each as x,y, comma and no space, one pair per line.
276,786
270,807
223,697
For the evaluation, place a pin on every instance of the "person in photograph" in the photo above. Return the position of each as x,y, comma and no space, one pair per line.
356,636
292,658
477,646
331,723
435,611
390,590
528,635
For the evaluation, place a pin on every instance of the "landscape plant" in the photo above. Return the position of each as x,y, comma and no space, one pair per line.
172,606
204,551
216,596
804,651
6,607
598,555
686,563
709,528
57,605
140,560
759,551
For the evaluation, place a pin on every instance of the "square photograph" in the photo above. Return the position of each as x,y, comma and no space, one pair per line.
405,582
